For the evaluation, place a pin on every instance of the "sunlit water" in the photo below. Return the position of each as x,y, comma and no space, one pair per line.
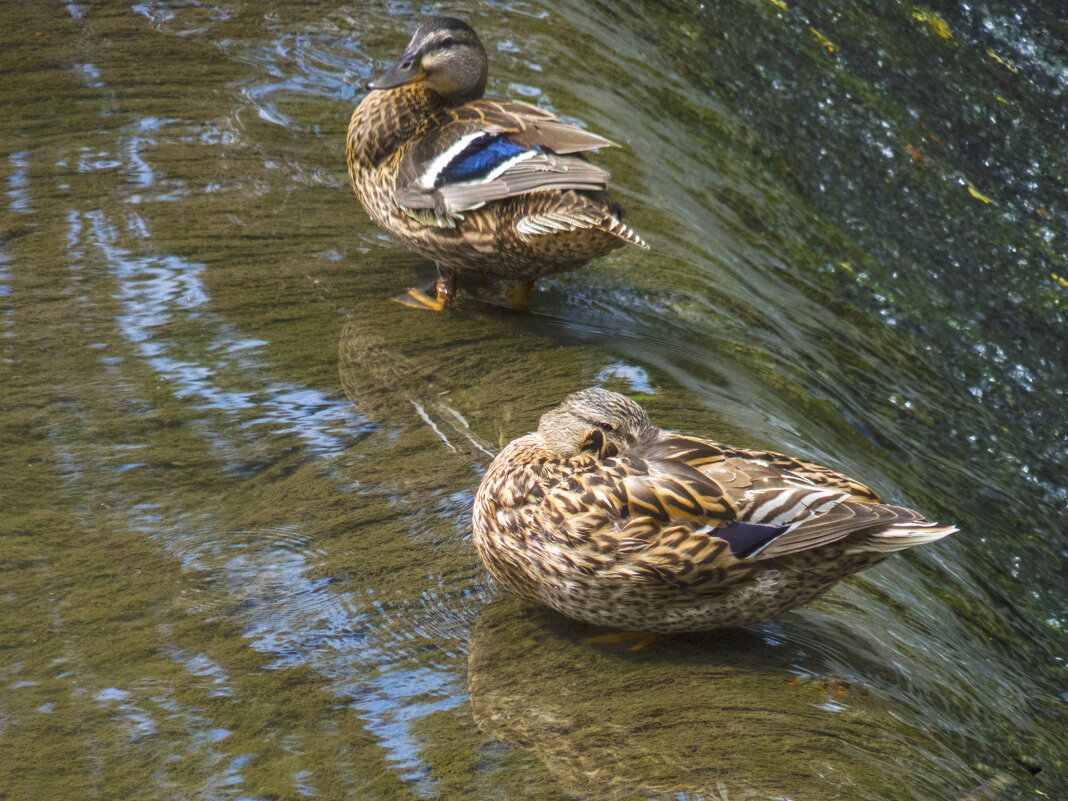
237,480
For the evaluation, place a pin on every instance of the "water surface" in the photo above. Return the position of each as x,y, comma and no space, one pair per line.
237,480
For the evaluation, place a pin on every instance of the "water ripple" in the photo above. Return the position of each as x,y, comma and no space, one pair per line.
158,292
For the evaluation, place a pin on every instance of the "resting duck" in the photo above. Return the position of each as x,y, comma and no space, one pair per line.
487,188
608,520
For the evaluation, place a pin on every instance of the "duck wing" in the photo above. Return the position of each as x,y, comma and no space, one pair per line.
645,515
690,512
787,506
494,149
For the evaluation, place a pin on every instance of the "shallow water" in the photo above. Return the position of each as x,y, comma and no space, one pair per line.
237,480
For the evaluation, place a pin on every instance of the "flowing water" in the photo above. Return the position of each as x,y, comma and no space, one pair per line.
235,558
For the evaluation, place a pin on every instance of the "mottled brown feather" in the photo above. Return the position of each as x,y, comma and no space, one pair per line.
564,215
641,539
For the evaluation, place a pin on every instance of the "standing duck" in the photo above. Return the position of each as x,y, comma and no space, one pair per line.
486,188
609,520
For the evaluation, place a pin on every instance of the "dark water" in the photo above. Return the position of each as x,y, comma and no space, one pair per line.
236,480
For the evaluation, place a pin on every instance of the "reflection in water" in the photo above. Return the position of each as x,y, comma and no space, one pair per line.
699,717
226,573
388,387
410,371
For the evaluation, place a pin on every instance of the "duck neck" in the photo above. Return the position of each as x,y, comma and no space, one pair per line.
385,119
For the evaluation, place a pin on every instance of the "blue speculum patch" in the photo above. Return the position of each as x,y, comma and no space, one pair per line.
745,539
477,160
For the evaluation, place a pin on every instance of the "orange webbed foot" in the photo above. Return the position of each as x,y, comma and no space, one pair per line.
417,299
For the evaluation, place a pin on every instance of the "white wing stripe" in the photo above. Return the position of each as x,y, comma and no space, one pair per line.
442,160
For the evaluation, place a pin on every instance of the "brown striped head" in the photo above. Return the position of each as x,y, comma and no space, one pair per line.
594,420
446,56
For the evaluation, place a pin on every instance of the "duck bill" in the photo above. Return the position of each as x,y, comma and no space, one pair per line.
407,70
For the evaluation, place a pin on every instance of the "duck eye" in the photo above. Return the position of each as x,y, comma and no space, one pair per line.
406,64
594,441
446,42
607,428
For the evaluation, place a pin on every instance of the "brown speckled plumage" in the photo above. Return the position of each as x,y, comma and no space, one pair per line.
611,521
547,214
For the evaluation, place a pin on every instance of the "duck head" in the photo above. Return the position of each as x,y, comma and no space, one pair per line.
445,56
594,420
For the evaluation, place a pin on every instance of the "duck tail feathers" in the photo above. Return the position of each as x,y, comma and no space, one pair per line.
617,227
901,536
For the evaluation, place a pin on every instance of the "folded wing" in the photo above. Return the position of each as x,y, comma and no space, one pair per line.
687,511
494,149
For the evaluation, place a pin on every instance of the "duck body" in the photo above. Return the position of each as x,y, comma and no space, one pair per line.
611,521
483,187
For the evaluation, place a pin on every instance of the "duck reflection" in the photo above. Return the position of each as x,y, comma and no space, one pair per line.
388,387
716,716
407,370
469,383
